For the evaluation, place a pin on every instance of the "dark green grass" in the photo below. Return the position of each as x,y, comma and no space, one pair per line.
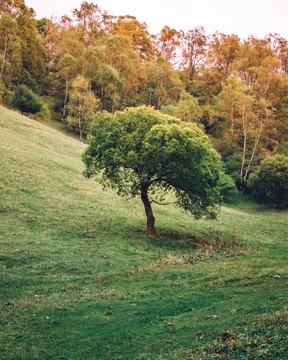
71,254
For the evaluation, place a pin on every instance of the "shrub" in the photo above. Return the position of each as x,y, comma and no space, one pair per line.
26,101
269,183
227,188
232,167
25,78
282,149
2,90
44,114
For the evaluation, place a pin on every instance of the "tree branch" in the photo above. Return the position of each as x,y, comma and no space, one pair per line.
164,204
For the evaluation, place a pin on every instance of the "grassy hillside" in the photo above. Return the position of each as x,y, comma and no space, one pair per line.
80,281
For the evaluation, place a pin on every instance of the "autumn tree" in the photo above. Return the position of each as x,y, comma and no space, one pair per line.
245,116
8,28
138,33
108,80
224,50
270,86
119,54
93,58
169,43
227,106
253,52
163,84
68,69
69,43
91,23
11,7
50,35
194,51
187,108
82,105
141,152
89,16
279,46
32,51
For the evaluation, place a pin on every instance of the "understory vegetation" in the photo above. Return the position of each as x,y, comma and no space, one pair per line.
80,280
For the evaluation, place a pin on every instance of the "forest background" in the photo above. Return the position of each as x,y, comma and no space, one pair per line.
66,70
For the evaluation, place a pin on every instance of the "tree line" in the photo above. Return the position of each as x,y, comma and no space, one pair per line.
69,69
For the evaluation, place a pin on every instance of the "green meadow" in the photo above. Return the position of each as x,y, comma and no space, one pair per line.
80,280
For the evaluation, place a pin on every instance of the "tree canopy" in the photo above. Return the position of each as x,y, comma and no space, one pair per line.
140,151
269,183
234,89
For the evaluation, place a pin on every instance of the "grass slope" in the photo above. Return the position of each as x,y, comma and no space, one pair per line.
80,281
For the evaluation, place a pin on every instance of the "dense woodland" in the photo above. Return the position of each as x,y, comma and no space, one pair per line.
68,69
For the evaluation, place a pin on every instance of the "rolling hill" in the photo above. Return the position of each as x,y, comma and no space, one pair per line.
79,280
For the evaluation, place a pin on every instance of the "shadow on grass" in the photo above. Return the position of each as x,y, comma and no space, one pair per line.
171,239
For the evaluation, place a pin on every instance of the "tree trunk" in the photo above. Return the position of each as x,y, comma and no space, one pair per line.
79,123
253,152
242,185
4,56
66,96
159,102
232,121
150,96
150,231
102,97
113,104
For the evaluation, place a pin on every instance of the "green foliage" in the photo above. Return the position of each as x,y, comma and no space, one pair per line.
2,90
67,66
82,105
108,81
269,183
282,149
32,49
232,167
26,101
169,109
226,149
262,342
163,85
142,147
44,114
227,188
188,108
27,79
10,50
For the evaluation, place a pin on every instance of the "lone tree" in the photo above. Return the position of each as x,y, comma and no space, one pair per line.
140,151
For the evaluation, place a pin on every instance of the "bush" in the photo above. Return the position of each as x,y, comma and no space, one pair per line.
26,101
25,78
282,149
226,149
232,167
44,114
227,188
2,90
269,183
